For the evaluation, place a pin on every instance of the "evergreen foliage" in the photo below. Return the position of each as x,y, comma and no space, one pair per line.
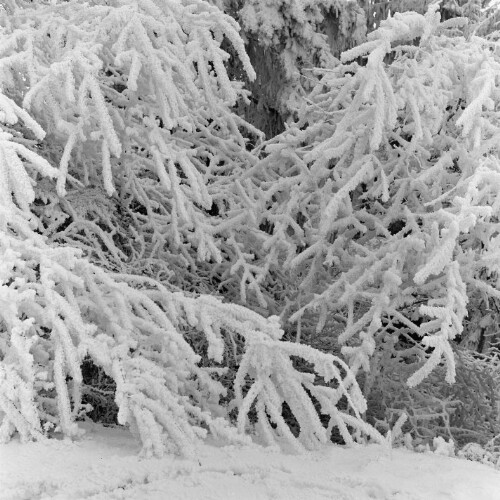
148,233
381,200
118,148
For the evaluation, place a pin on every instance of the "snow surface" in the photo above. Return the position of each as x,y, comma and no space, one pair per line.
104,465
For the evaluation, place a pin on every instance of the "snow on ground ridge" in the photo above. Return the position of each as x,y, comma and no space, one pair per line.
104,465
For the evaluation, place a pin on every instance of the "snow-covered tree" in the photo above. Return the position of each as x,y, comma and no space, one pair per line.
142,232
119,153
285,40
381,202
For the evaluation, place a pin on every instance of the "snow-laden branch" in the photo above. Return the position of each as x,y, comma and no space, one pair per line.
376,200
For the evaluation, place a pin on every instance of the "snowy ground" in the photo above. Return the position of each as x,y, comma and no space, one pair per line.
104,465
